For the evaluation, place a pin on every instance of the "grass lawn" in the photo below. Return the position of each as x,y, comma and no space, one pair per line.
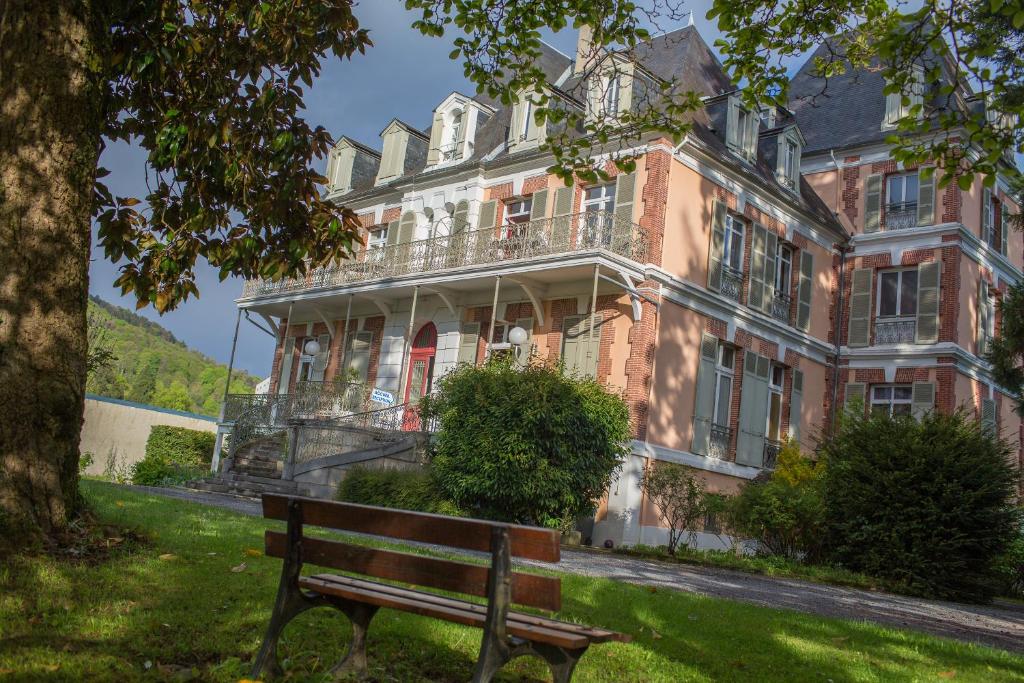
194,601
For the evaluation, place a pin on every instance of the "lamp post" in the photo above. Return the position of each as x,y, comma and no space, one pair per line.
518,337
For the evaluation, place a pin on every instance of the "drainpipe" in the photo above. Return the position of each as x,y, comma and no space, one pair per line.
838,331
403,371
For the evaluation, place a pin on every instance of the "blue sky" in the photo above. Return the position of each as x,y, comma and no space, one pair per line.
403,75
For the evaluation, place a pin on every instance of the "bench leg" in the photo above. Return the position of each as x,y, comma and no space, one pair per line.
562,662
360,615
494,654
289,604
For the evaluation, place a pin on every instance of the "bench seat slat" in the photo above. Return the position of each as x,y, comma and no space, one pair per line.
448,610
455,532
543,592
593,635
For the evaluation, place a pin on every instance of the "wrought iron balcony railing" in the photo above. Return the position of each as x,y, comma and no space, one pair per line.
574,233
732,283
901,216
771,454
718,446
781,306
895,330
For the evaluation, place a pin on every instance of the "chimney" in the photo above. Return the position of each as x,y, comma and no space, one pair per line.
584,49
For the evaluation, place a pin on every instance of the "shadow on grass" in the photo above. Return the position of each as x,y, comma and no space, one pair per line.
199,597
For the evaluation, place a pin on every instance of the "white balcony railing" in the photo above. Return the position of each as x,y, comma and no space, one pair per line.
781,304
901,216
732,283
570,234
895,330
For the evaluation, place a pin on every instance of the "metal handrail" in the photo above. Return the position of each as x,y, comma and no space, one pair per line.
574,233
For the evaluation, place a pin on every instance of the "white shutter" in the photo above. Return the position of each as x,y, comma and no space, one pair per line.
436,131
286,365
803,304
860,308
986,215
704,400
983,316
854,391
755,294
732,122
358,363
753,410
392,233
922,399
469,343
561,223
625,190
925,200
539,205
928,302
771,247
716,248
873,204
796,400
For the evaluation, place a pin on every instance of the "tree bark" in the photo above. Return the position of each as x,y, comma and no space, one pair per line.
49,145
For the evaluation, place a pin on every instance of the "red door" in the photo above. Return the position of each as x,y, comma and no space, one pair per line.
421,373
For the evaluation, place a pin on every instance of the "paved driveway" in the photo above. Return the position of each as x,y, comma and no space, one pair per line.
999,625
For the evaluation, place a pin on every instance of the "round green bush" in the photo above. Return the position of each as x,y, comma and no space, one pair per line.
925,505
531,445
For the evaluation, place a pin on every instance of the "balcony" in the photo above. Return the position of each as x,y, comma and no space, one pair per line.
452,152
901,216
781,306
718,446
576,233
732,283
310,400
771,454
895,330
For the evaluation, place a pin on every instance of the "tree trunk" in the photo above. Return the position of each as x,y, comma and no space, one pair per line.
49,146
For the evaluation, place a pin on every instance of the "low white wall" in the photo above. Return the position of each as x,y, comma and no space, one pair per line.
116,431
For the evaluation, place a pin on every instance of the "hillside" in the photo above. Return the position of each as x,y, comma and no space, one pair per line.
149,365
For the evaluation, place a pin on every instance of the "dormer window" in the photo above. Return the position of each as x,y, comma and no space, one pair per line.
349,165
900,104
611,95
788,163
742,128
450,150
452,133
524,131
610,90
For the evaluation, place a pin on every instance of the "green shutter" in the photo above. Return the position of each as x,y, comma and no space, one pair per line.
357,357
796,400
803,304
406,229
771,247
717,246
561,223
392,233
983,314
516,125
855,391
988,413
755,294
860,308
922,399
625,191
580,345
484,234
469,342
459,238
436,131
732,122
873,204
986,216
285,378
928,302
704,400
753,410
1004,227
926,200
539,205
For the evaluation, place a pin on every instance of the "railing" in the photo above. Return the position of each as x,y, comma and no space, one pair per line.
781,306
895,330
901,216
732,283
771,454
543,237
450,152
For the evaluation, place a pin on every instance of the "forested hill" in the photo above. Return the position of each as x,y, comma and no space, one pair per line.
149,365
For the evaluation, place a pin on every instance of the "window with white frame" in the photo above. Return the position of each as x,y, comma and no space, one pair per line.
898,105
732,255
783,270
746,132
901,192
724,374
892,399
610,96
790,162
897,293
375,243
773,428
598,212
988,220
452,133
524,126
517,213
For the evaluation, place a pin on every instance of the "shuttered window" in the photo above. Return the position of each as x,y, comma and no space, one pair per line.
988,218
892,399
926,199
762,268
873,204
803,306
928,287
854,393
713,398
860,308
581,345
717,246
986,328
754,403
561,223
469,343
923,399
988,414
796,401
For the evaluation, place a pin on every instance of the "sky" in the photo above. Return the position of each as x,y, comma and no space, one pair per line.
404,75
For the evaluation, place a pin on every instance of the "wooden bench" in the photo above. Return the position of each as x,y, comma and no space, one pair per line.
507,634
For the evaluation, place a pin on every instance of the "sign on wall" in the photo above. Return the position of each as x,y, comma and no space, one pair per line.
381,396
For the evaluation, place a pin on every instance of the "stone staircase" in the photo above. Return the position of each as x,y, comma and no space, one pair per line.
256,469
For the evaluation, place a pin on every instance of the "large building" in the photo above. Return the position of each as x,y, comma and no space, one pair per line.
735,288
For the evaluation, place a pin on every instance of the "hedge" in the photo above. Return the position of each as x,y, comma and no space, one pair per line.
392,488
173,455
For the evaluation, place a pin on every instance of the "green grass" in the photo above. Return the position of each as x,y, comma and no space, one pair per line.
176,603
753,564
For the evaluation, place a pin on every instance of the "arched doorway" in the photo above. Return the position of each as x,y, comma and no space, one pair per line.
421,371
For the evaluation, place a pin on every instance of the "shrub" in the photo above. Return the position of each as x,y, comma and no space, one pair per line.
1010,569
525,445
400,489
174,455
783,511
85,461
923,504
678,495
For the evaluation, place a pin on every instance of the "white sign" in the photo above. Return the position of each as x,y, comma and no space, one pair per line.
381,396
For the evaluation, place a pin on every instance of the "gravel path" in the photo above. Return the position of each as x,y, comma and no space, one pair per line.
1000,625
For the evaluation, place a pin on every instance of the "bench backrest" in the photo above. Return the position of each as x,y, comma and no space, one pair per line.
452,532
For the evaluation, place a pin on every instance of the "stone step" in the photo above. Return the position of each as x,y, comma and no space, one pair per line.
255,479
256,465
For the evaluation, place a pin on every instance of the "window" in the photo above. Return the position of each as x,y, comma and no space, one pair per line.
527,116
378,239
732,256
746,131
896,107
773,430
790,162
988,220
902,192
517,214
783,270
891,399
723,385
598,212
897,293
611,94
449,150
